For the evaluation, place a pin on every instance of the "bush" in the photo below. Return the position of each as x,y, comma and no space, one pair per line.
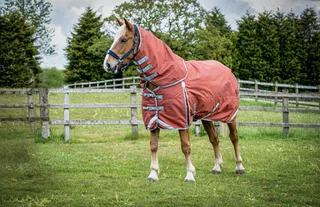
51,78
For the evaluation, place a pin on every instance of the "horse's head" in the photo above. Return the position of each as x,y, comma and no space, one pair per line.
123,48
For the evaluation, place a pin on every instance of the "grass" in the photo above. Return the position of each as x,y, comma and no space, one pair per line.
107,166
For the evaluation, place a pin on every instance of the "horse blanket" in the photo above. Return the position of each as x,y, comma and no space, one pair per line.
185,90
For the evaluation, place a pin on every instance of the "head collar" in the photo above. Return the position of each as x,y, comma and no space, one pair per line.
124,66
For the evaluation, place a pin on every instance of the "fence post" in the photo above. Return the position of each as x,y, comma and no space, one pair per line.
256,89
123,82
297,93
134,114
197,130
114,83
44,112
31,111
224,130
66,117
319,92
276,91
285,107
105,84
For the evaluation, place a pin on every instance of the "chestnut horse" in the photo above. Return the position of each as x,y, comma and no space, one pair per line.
175,92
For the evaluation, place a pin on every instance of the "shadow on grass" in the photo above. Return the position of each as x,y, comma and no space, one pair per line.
22,178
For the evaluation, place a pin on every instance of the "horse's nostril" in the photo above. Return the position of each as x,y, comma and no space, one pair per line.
108,65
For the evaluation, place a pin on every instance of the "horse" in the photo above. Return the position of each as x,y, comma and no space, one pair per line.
177,92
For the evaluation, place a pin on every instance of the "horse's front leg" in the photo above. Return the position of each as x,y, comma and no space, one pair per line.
154,137
186,149
234,139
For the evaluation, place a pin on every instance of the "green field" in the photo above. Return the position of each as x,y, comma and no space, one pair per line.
106,166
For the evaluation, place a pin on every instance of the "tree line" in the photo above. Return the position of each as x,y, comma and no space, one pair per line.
24,35
269,46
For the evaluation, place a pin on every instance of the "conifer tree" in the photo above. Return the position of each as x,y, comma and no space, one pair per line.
215,40
249,55
288,48
37,13
267,41
19,60
309,51
218,20
84,63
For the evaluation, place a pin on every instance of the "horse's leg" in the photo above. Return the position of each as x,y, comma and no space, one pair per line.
234,139
186,149
154,137
213,138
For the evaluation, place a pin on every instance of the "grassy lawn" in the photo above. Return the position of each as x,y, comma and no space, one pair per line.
106,166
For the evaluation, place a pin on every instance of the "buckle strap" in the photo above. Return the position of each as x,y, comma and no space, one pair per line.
150,95
139,62
150,77
144,70
153,108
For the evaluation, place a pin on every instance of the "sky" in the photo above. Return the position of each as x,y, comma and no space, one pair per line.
66,13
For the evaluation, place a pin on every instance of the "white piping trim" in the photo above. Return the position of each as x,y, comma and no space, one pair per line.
140,39
164,124
234,115
213,110
151,121
185,96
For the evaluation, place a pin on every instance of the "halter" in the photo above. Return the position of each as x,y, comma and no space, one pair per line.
120,59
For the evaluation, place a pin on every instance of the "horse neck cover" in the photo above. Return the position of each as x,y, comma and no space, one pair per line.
186,90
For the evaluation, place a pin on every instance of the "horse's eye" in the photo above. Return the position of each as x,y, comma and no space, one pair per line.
123,40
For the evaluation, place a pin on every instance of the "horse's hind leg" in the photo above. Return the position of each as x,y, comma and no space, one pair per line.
154,137
186,149
213,138
234,139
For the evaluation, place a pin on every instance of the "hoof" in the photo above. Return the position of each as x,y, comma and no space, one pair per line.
215,172
152,179
239,172
189,181
190,177
153,176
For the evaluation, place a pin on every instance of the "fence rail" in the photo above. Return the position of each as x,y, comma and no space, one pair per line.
44,107
134,81
244,85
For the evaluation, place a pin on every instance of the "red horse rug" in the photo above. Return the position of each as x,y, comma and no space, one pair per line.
185,90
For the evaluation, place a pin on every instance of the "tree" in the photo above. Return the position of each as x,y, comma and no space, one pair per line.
249,55
309,42
215,40
217,19
173,21
37,13
288,47
85,59
19,60
268,68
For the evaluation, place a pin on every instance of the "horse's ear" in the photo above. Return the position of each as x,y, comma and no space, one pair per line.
119,22
128,24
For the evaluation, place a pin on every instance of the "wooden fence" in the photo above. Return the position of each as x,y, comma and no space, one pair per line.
133,105
244,85
108,84
43,106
